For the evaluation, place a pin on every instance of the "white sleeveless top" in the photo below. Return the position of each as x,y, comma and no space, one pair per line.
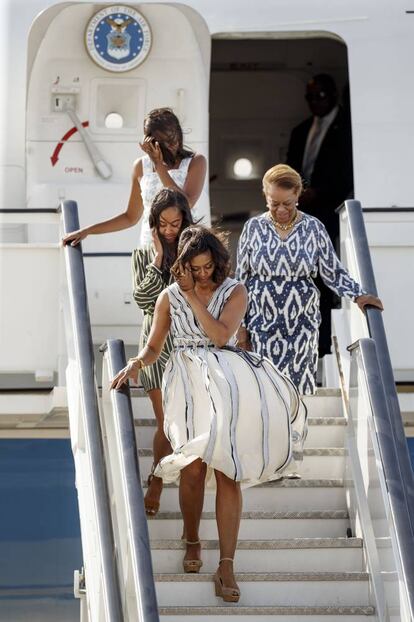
151,184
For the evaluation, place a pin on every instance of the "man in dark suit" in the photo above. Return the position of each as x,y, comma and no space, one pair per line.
327,170
320,149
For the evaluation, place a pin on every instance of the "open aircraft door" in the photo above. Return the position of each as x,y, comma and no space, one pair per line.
94,71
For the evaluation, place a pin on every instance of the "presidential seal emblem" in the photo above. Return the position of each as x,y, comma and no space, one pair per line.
118,38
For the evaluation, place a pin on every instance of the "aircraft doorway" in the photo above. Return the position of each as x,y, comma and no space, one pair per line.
256,98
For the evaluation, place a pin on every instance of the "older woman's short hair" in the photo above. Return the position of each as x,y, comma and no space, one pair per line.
283,176
197,240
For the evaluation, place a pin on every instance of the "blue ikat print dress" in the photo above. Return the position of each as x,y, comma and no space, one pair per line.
283,315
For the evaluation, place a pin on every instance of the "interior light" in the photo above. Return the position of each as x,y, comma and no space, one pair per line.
114,121
242,168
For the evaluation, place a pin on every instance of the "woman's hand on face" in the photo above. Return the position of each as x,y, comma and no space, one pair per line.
152,149
184,278
243,339
369,299
131,370
157,243
75,237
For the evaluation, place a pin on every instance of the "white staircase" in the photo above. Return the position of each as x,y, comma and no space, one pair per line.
294,560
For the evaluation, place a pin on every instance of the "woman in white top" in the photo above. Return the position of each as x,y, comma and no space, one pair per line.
167,164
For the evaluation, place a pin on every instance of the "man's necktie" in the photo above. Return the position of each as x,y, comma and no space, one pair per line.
312,149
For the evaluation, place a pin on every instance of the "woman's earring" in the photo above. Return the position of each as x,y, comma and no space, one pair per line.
296,204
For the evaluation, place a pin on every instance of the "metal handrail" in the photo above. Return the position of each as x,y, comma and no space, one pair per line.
35,210
93,437
391,438
134,500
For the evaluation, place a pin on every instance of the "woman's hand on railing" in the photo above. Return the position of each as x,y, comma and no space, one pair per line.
131,370
75,237
369,299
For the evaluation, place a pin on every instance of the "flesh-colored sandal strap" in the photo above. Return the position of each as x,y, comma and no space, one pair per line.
196,542
226,559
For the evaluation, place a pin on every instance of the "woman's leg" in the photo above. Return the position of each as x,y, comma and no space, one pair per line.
192,480
161,444
228,512
161,448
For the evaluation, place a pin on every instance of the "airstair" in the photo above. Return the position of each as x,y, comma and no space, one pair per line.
297,555
335,544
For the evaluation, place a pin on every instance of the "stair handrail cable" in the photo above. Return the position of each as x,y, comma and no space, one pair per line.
139,544
393,447
83,347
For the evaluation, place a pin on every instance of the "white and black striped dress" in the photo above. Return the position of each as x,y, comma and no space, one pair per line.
230,408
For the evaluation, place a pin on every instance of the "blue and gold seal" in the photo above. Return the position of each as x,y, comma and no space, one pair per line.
118,38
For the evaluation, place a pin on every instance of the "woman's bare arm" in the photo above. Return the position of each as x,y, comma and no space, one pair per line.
155,343
195,179
159,330
126,219
221,330
194,182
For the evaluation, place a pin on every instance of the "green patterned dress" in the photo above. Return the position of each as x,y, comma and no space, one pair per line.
148,283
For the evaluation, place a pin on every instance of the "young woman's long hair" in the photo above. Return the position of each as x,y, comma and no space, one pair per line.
165,121
163,199
196,240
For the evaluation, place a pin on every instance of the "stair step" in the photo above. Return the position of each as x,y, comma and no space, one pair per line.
317,462
305,515
325,403
283,555
326,431
267,589
263,577
267,614
322,431
266,545
282,495
303,524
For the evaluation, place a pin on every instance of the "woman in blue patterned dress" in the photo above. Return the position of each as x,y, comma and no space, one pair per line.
279,253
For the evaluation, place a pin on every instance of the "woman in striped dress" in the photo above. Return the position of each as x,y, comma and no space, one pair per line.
169,216
228,413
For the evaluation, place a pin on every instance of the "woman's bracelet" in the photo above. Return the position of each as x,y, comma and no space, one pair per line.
140,362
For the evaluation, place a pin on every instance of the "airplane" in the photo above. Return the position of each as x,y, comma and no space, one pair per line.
71,121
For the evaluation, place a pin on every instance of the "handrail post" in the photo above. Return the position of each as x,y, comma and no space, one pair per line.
382,417
139,546
394,449
83,346
377,332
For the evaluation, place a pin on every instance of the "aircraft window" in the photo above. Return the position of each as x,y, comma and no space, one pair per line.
114,121
242,168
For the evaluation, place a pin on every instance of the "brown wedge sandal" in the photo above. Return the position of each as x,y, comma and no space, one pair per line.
228,594
152,505
192,565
